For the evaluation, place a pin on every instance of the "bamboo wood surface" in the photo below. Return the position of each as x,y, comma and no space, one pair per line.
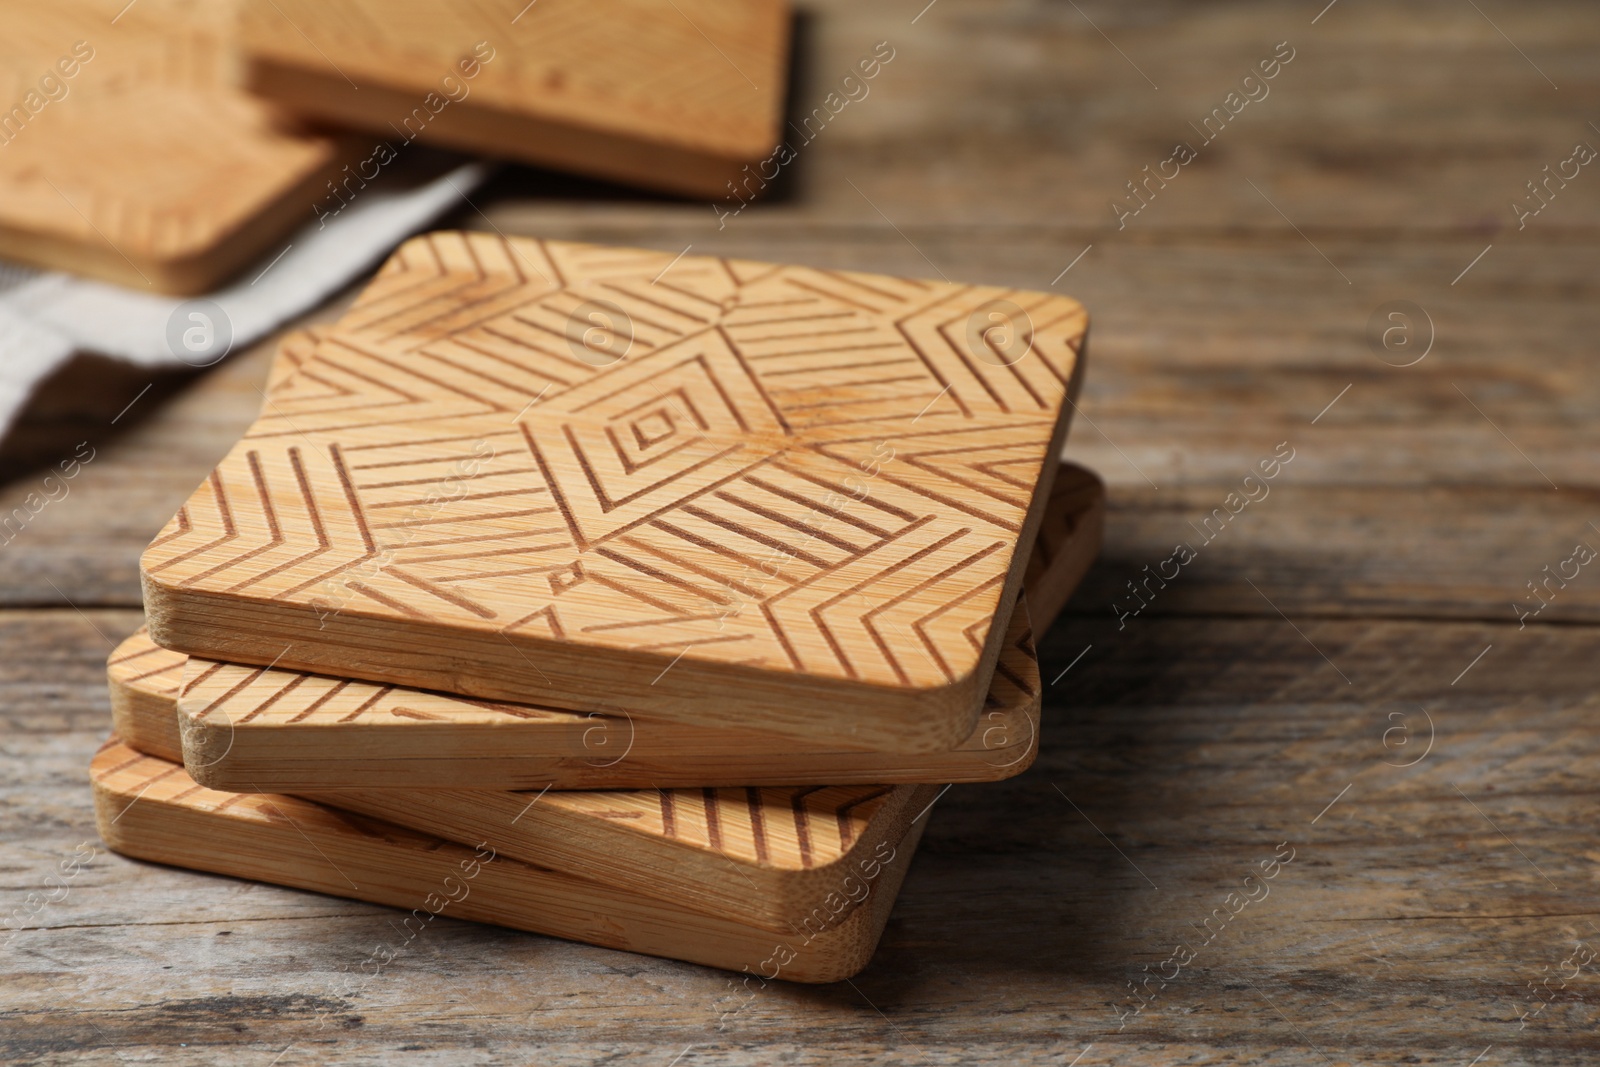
128,154
633,92
1408,928
765,497
148,808
767,857
764,856
249,728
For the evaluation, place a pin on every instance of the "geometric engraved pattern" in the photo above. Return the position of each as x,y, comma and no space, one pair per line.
678,96
587,476
252,728
145,165
149,808
791,842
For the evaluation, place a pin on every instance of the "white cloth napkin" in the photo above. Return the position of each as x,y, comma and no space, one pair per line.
46,317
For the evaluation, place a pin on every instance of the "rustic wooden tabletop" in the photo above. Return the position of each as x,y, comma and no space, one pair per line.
1317,788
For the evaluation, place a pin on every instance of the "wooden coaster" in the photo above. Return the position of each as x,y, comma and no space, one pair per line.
685,97
294,349
563,750
249,728
150,809
127,154
713,492
761,855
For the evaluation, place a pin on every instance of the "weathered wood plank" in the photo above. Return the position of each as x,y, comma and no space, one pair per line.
1440,551
1401,117
1195,745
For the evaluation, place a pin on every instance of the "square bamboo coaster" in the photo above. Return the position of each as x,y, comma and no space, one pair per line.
149,809
250,728
796,847
767,856
764,855
735,494
563,750
685,97
127,154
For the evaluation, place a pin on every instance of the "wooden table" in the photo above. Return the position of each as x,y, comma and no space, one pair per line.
1339,675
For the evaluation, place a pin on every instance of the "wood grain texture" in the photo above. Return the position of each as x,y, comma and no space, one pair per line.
794,851
293,350
684,98
761,854
767,856
1407,930
1197,745
247,728
145,166
148,808
814,490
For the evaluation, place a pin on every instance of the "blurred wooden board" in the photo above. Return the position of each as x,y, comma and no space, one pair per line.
149,808
256,728
681,97
810,490
145,166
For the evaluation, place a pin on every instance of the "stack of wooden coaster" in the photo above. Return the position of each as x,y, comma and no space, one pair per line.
166,145
640,600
